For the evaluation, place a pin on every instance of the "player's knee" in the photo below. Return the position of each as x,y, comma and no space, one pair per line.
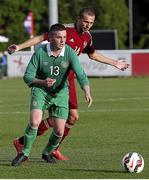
59,132
35,124
73,118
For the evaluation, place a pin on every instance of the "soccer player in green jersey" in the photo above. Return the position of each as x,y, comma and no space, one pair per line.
80,39
47,74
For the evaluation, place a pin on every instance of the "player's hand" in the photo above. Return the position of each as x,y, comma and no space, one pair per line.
89,99
121,64
77,50
13,48
49,82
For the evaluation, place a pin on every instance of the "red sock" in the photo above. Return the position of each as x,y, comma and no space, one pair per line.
44,126
66,132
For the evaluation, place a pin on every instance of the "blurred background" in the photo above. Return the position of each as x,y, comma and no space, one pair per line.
120,25
130,19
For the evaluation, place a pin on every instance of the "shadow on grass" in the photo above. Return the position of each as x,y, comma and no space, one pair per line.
95,170
7,162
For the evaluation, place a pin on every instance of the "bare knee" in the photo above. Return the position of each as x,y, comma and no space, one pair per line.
73,117
59,132
59,126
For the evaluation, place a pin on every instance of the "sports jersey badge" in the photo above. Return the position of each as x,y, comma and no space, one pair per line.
64,64
72,40
34,103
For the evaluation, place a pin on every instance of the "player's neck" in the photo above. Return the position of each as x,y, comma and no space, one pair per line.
78,30
55,51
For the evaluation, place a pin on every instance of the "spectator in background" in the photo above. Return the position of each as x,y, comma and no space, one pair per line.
3,65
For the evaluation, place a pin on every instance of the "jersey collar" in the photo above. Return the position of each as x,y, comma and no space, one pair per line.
50,52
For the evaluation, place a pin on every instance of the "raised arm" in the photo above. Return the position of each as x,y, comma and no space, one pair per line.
30,42
120,64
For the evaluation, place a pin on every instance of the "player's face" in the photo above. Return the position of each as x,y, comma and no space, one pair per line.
58,39
85,23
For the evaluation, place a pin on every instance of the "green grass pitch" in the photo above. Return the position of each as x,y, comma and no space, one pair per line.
117,123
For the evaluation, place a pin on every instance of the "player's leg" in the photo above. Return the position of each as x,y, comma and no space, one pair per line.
44,126
59,115
72,119
29,137
54,140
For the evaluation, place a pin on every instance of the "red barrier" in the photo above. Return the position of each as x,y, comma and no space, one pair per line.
140,64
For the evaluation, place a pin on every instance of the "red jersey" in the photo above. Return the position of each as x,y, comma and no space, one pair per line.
76,40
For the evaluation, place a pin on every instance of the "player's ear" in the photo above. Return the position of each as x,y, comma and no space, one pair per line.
78,18
50,36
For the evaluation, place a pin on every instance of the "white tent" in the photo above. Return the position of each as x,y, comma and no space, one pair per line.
3,39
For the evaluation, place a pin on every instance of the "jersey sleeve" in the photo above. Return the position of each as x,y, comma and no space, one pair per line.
89,50
30,73
78,69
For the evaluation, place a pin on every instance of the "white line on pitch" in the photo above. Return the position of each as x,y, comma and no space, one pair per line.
88,111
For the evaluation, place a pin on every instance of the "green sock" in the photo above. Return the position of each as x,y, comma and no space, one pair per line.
29,138
53,143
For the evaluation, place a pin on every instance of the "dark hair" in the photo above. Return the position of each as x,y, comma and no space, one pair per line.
57,27
87,10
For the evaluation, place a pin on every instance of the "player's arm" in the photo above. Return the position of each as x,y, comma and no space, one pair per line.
30,42
30,73
88,96
120,64
81,77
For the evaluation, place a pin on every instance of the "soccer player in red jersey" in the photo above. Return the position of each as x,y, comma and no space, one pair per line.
78,38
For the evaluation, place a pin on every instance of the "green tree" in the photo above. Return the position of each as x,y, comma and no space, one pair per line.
12,15
110,14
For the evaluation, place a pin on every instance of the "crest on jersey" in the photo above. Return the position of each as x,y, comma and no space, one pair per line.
64,64
72,40
34,103
84,44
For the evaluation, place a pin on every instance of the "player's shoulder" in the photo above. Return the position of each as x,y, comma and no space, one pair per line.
41,49
70,27
69,50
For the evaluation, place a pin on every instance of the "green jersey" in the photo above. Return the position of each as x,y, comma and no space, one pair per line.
43,65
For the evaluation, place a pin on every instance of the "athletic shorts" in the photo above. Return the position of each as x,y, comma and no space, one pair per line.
57,105
73,102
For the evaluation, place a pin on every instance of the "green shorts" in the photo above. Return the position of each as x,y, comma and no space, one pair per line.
57,105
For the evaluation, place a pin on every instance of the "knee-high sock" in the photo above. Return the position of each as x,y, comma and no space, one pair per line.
44,126
52,144
66,133
29,138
